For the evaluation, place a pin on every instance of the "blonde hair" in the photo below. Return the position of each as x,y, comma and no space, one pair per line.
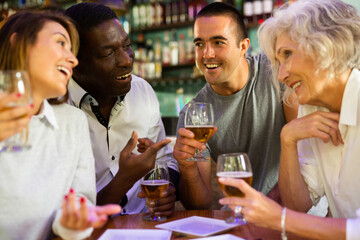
326,30
26,25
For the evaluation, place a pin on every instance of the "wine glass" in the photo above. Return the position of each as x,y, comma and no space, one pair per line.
234,165
16,81
199,118
153,184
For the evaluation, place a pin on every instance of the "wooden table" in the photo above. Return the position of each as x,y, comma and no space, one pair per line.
134,221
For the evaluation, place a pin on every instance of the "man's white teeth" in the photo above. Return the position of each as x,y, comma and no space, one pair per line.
63,69
296,85
212,65
123,76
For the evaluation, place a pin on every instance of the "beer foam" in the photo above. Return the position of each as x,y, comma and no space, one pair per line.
199,126
155,182
237,174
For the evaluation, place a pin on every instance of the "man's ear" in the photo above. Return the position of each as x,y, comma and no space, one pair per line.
244,45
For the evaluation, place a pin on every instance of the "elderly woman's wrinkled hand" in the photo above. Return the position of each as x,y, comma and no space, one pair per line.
256,207
323,125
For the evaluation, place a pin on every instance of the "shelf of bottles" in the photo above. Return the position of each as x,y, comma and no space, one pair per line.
162,37
8,7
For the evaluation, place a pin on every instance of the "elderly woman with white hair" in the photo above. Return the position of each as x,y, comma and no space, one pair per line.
314,48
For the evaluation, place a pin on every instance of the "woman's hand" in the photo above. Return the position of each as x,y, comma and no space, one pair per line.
256,207
323,125
14,119
83,217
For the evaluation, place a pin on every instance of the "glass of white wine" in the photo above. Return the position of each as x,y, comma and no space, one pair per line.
234,165
153,184
16,81
199,118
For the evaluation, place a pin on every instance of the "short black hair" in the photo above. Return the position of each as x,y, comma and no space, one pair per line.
224,9
87,16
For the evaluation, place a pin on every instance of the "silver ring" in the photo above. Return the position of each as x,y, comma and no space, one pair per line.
238,209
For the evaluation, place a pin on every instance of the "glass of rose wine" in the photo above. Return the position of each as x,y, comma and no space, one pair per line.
234,165
16,81
199,118
153,184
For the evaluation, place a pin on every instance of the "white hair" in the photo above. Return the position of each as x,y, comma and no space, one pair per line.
326,30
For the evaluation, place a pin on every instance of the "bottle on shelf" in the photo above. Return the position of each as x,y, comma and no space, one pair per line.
168,12
158,65
150,13
174,49
191,10
248,12
166,49
135,15
190,47
141,56
142,14
182,51
267,8
150,60
159,13
183,11
258,11
174,11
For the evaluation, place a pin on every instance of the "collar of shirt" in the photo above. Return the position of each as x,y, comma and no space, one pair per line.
47,114
349,105
80,96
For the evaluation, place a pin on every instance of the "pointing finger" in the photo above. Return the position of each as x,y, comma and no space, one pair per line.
129,146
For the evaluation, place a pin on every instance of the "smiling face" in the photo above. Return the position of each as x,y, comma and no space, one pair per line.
218,55
50,61
298,71
106,61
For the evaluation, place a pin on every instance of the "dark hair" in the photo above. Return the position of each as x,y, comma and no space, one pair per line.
87,16
27,25
224,9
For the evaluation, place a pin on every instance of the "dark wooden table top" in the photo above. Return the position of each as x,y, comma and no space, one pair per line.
134,221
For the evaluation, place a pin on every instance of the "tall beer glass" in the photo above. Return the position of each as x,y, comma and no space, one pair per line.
14,81
199,118
234,165
152,185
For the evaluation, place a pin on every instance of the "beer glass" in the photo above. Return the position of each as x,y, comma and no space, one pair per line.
199,118
153,184
234,165
15,81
